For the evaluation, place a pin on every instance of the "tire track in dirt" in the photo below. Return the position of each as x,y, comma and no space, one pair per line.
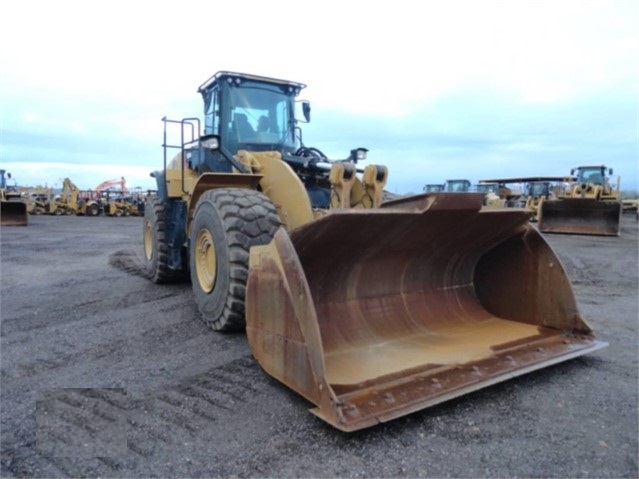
81,422
192,407
61,358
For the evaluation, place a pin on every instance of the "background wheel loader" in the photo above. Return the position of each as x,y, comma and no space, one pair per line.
433,188
13,208
590,206
370,311
491,195
539,191
457,186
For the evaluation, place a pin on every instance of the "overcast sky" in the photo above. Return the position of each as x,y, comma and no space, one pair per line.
435,90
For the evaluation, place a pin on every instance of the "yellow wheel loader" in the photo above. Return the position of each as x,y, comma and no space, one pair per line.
457,186
119,208
13,208
433,188
370,311
491,195
591,206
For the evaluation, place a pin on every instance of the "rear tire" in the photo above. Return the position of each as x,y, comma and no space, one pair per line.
226,223
155,249
92,210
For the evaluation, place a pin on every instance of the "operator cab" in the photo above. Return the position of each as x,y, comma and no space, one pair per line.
249,112
256,114
433,188
538,189
488,188
457,186
591,174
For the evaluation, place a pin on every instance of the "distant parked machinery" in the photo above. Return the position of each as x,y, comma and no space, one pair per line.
13,209
69,203
539,191
590,206
112,184
630,206
116,199
433,188
457,186
491,192
115,204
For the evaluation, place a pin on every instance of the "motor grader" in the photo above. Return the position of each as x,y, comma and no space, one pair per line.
590,205
369,310
13,208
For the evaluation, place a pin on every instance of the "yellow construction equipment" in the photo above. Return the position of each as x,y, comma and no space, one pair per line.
526,192
369,310
630,205
119,207
36,198
590,206
433,188
491,195
513,195
457,186
69,202
540,190
13,208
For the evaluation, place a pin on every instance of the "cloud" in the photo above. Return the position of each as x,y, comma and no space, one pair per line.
480,135
434,90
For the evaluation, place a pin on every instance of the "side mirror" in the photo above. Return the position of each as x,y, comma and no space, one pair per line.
610,171
306,111
572,172
210,142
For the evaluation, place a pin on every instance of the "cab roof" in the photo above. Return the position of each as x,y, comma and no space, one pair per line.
223,75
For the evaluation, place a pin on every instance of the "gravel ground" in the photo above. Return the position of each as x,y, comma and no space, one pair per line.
104,374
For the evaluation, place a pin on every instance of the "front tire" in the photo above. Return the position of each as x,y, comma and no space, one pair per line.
226,223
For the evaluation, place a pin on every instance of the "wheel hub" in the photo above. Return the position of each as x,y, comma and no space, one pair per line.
148,240
205,260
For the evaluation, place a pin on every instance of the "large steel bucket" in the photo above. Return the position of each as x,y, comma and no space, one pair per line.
13,213
374,314
584,216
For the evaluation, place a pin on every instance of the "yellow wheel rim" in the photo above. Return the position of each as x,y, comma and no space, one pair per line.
205,260
148,240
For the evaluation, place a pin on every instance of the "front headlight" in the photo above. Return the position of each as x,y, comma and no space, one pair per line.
358,154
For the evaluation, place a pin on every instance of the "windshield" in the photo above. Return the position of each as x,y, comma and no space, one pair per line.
457,186
487,188
538,189
591,175
260,114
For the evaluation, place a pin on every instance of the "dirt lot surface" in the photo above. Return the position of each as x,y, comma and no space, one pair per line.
104,374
